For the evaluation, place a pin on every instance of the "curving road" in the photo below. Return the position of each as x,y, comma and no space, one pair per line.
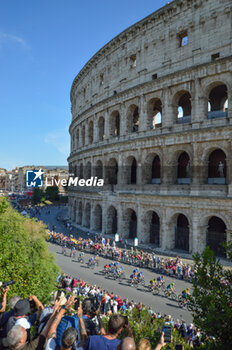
94,277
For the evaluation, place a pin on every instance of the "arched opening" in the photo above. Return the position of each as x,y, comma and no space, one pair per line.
81,171
99,170
101,129
133,119
154,228
90,132
182,233
154,113
112,172
79,214
77,138
216,235
184,108
217,167
83,135
152,169
87,215
115,124
98,218
74,211
155,170
218,102
183,171
88,171
112,220
133,171
131,223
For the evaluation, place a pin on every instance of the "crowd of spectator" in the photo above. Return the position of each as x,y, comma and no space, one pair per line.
173,267
73,320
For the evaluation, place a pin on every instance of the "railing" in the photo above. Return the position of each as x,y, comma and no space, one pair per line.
185,119
217,114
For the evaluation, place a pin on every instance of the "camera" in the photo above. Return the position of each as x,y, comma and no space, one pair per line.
6,284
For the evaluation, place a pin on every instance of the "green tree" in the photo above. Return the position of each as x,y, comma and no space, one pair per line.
38,195
212,299
52,193
24,255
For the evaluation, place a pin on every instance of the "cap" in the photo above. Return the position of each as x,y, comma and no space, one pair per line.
22,307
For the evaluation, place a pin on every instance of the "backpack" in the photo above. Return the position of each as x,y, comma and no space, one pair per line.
67,322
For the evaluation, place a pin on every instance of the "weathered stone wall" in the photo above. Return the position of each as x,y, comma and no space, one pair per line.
126,112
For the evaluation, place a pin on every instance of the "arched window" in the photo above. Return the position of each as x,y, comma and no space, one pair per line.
217,167
218,102
101,129
155,176
154,113
154,228
184,108
112,220
83,135
183,171
133,171
114,122
90,132
216,236
182,233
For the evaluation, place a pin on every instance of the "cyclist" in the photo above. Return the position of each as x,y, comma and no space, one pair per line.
106,268
152,283
140,276
160,281
132,278
97,259
171,287
185,295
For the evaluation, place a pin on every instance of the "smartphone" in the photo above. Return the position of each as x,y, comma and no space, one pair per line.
167,333
76,303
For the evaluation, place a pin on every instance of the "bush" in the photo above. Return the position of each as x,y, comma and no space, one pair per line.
24,255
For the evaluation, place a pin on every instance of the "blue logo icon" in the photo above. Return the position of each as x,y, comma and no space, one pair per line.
34,178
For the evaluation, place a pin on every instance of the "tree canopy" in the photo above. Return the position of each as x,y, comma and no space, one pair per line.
24,255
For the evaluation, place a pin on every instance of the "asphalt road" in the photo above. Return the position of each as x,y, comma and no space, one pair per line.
94,277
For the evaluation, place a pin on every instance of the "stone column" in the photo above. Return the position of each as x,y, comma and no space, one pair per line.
95,128
121,230
120,169
104,215
92,217
198,235
139,222
123,120
142,114
106,131
167,109
229,168
199,104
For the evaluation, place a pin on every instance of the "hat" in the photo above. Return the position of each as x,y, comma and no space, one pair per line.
23,322
22,307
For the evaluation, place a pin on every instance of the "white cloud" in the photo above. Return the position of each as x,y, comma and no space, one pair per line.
7,38
59,139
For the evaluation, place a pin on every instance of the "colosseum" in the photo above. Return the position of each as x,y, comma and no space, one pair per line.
152,116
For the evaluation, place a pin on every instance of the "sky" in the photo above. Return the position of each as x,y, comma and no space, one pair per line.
43,46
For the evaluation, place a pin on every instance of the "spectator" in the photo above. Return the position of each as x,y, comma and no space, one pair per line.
127,343
110,341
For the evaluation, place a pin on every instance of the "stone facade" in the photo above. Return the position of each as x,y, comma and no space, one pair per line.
152,115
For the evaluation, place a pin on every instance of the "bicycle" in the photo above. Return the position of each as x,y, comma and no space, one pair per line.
182,302
170,295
